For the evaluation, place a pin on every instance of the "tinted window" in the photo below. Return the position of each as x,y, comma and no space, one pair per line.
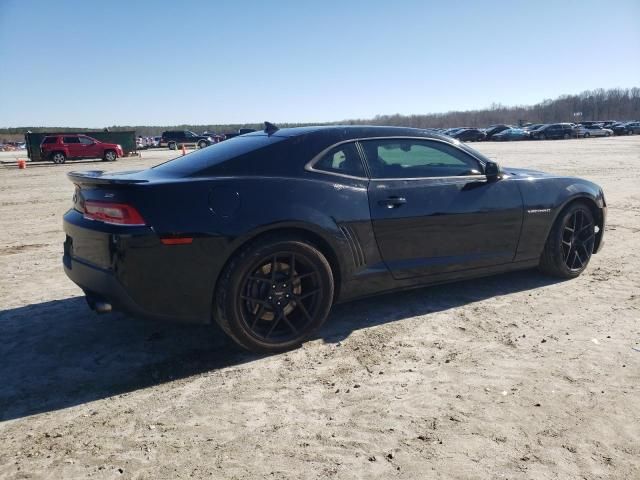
343,159
416,159
86,141
216,154
49,139
71,140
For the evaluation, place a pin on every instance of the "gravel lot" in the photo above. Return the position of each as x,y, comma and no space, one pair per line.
513,376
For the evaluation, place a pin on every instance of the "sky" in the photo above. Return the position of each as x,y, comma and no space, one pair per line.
97,63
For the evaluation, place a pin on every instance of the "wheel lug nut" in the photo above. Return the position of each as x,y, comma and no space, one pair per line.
273,286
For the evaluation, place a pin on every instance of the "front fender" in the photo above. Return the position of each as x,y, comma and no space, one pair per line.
544,199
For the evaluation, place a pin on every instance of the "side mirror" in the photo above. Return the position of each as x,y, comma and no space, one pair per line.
493,171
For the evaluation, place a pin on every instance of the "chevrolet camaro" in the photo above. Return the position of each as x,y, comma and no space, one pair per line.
264,232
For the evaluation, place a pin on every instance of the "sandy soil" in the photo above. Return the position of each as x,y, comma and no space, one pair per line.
514,376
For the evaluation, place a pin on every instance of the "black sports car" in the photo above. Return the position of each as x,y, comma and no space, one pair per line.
470,135
264,232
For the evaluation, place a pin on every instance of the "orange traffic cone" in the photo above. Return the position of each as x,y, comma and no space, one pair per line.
184,150
22,163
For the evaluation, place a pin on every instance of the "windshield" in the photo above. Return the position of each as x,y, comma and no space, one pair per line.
215,154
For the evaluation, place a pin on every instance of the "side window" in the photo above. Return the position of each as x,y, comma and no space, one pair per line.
417,159
71,140
343,159
50,140
86,141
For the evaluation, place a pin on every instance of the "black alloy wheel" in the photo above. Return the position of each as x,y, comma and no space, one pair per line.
571,242
274,295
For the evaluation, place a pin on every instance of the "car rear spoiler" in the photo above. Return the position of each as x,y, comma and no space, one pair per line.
100,177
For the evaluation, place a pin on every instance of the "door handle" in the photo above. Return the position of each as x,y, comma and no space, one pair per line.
392,202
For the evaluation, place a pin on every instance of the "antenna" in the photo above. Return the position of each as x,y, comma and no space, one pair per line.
270,128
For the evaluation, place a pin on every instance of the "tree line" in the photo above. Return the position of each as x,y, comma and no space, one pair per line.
599,104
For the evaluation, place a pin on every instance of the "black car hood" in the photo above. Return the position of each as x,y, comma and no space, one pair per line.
525,172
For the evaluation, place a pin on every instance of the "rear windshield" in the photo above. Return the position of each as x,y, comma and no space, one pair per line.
216,154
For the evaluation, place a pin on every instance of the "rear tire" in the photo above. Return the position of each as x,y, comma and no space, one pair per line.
274,294
586,135
58,157
172,146
570,243
202,144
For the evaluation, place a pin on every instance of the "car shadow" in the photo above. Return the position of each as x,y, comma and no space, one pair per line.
59,354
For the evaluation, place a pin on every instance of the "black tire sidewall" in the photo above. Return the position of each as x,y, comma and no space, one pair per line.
233,280
556,240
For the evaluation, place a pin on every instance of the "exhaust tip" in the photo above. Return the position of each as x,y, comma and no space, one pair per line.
97,304
102,307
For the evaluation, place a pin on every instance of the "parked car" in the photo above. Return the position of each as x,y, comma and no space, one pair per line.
633,127
175,139
587,131
620,128
493,129
469,135
512,134
535,126
59,148
554,131
264,232
452,131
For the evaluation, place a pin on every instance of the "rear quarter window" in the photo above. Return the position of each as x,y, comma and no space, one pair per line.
205,160
49,140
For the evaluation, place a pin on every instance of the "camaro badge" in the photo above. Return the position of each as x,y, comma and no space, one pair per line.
540,210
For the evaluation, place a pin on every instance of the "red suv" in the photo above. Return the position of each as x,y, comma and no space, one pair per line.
58,148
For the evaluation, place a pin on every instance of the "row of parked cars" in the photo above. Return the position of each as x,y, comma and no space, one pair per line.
12,146
540,131
175,139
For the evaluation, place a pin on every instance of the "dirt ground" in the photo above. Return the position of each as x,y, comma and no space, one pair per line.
516,376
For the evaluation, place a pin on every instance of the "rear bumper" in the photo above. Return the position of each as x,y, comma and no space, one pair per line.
100,284
133,271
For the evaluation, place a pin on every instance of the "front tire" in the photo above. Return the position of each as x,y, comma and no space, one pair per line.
570,243
110,156
202,144
172,146
274,294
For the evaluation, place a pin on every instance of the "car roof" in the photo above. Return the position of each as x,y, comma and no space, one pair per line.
347,132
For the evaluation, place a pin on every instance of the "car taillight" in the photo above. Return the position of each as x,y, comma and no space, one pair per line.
114,213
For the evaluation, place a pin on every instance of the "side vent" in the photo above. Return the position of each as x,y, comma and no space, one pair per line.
354,245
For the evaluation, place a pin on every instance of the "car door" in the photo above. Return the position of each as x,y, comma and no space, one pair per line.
73,146
89,147
434,211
